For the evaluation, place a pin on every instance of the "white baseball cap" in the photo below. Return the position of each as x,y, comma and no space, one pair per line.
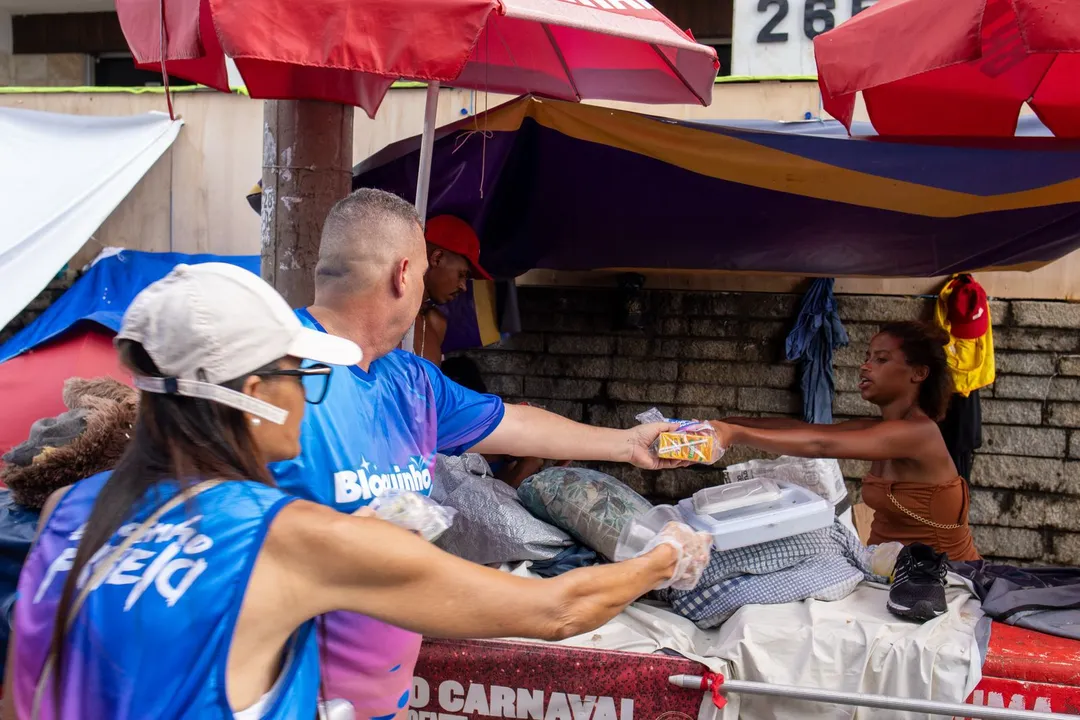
210,323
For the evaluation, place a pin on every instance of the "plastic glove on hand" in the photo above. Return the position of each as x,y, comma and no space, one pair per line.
883,558
414,512
692,548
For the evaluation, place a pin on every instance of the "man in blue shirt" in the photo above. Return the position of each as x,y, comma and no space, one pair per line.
383,421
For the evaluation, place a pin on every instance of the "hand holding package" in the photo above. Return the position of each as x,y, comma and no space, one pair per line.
692,441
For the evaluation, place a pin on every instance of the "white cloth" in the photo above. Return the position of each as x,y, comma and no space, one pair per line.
851,645
408,343
61,177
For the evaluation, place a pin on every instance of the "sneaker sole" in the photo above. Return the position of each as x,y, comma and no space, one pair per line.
922,610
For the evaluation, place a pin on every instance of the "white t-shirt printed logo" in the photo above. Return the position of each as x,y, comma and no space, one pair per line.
367,482
171,570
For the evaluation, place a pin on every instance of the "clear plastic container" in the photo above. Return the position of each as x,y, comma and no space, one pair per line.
638,532
796,511
722,498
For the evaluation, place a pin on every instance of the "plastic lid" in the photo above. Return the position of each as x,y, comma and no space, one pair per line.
722,498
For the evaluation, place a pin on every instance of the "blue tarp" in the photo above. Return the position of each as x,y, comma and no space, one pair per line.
104,293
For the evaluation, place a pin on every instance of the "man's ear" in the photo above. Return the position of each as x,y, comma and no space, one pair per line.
401,277
436,257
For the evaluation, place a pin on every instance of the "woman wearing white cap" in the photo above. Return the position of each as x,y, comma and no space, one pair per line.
183,584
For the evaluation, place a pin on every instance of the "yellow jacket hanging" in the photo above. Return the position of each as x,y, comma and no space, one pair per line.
971,362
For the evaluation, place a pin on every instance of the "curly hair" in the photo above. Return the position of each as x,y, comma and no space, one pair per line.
924,345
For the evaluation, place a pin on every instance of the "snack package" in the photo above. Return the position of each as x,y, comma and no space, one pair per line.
414,512
693,441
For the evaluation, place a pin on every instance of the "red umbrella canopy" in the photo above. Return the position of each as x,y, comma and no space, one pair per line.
955,67
351,51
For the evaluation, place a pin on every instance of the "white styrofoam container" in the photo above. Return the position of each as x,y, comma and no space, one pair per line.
797,511
721,498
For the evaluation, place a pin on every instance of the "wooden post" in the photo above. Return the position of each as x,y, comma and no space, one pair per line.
307,167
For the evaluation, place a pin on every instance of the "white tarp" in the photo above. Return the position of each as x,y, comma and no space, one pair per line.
851,645
60,178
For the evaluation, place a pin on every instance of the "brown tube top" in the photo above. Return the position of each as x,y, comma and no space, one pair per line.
940,515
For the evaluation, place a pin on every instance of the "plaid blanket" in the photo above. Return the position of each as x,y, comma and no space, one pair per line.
825,564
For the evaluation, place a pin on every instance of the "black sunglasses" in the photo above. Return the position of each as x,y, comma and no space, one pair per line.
314,378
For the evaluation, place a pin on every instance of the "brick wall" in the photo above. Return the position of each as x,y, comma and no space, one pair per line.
716,354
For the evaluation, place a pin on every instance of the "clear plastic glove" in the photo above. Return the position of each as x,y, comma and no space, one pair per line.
693,554
414,512
883,558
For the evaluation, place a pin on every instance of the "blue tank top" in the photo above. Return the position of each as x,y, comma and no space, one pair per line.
152,640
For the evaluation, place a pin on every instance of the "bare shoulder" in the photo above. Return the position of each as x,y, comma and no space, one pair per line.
302,527
924,425
437,322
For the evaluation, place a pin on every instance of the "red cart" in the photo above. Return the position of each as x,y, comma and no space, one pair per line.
1024,670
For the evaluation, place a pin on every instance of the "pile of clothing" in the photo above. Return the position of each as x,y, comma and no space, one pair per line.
567,517
824,564
493,526
87,439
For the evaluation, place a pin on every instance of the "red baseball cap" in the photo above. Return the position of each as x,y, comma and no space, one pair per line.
969,311
457,236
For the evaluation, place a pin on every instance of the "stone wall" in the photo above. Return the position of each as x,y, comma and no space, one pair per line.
714,354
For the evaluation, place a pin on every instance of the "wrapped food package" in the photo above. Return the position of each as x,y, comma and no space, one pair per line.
697,447
692,441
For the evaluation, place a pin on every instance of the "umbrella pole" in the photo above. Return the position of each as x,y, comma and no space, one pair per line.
427,145
885,702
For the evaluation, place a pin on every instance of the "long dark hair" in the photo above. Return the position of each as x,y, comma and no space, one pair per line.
175,439
924,346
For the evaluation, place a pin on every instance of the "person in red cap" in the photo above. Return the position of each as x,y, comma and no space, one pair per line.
453,256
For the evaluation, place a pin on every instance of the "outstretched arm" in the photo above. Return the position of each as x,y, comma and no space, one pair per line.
527,431
885,440
331,561
770,423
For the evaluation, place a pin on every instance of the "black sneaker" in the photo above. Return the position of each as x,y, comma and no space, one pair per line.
918,590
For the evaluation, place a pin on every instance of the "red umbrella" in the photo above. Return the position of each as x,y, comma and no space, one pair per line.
955,67
351,51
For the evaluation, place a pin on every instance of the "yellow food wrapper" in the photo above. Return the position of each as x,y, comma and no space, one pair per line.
693,441
697,447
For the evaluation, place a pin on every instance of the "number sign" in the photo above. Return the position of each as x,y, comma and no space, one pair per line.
776,37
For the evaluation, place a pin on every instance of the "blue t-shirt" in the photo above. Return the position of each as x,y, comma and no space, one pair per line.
380,430
375,431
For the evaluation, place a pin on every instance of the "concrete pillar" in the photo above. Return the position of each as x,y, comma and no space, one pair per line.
307,167
7,38
7,43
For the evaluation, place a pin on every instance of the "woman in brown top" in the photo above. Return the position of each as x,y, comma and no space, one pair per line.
913,486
